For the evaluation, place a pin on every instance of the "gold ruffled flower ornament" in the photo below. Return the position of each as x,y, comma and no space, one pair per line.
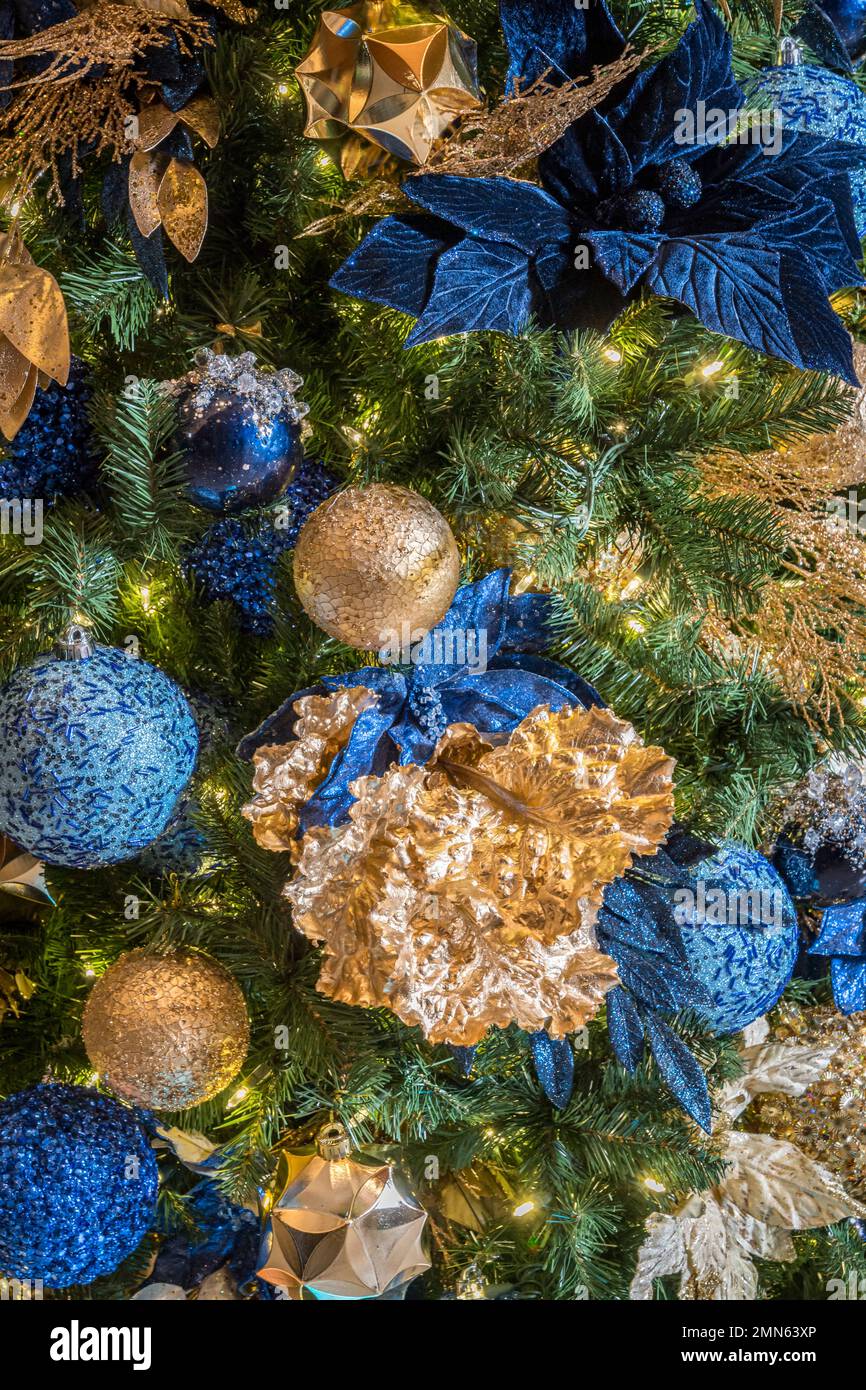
463,895
165,191
34,333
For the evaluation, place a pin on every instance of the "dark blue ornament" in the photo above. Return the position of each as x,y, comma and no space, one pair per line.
644,211
239,431
680,184
234,562
491,255
233,459
97,751
53,455
848,18
78,1182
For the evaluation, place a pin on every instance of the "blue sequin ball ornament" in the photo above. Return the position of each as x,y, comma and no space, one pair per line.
739,929
239,431
97,749
234,563
52,454
821,102
78,1183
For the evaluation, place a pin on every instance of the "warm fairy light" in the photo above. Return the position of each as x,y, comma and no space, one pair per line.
635,625
283,89
653,1185
90,972
633,587
613,354
712,368
94,1078
144,592
525,1208
240,1094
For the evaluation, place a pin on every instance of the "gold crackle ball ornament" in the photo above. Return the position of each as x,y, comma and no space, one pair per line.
376,566
342,1228
166,1031
387,77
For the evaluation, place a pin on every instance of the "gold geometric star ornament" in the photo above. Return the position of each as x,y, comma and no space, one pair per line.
387,73
342,1229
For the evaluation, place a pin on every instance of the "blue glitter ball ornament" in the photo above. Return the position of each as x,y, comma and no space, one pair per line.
239,432
97,750
819,101
78,1183
231,561
52,454
739,929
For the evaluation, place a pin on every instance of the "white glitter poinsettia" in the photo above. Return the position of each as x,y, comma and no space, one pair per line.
770,1189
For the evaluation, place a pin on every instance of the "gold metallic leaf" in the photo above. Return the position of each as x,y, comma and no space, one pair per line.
182,202
32,310
287,775
145,176
156,121
202,116
463,895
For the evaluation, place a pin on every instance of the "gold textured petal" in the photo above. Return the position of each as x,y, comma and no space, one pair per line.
166,1031
182,202
32,311
464,895
145,176
155,121
375,564
202,116
15,371
12,419
287,775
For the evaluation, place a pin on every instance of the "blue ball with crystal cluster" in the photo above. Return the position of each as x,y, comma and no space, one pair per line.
739,929
239,432
78,1183
97,751
821,102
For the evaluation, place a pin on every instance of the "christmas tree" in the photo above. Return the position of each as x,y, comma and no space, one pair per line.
434,694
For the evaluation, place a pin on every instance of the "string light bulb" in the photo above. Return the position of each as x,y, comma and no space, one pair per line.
524,1208
712,368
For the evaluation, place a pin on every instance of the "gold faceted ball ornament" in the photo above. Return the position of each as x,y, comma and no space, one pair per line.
376,566
342,1228
387,75
167,1031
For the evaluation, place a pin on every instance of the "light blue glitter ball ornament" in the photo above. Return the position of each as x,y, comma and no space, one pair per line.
739,929
97,748
78,1183
817,100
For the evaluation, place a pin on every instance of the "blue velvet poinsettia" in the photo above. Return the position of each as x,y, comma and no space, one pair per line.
751,238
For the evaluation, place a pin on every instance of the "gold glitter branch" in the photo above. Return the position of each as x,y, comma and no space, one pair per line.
502,142
64,106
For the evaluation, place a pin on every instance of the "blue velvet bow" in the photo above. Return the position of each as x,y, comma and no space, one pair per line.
749,238
418,701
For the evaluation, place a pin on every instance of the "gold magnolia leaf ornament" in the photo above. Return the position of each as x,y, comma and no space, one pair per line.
34,333
463,895
165,191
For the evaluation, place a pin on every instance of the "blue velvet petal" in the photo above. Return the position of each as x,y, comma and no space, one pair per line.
394,264
623,256
680,1070
589,162
571,38
572,299
699,69
625,1028
554,1067
480,286
464,1057
733,285
823,342
501,210
849,984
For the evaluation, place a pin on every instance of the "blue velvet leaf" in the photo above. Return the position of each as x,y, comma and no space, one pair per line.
571,38
554,1067
801,163
623,256
479,286
589,162
698,69
849,984
501,210
823,342
394,264
625,1028
733,285
680,1070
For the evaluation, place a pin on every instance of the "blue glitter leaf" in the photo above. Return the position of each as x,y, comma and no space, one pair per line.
554,1067
680,1070
625,1028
